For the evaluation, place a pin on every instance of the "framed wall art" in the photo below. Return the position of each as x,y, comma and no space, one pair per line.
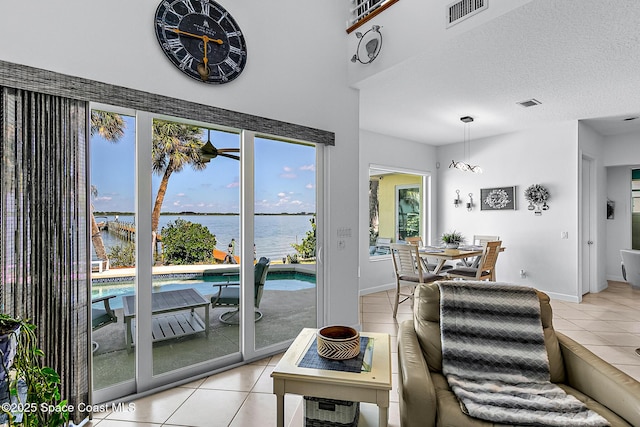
498,199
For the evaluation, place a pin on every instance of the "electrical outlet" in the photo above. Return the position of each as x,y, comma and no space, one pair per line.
523,274
564,235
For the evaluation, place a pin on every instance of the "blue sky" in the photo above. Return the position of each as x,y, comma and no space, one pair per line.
284,177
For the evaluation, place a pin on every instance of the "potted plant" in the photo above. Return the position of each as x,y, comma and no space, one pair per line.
29,391
452,239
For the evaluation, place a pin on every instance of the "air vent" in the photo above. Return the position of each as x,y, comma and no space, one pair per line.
530,103
464,9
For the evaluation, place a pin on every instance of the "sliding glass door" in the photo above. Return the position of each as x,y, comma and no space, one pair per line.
285,233
112,149
185,255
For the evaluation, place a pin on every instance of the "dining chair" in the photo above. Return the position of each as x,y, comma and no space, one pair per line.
486,269
478,239
409,271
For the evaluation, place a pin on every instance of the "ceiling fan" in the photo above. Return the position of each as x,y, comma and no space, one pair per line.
208,151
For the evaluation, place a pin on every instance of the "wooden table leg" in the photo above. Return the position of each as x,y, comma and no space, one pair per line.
383,416
441,263
278,390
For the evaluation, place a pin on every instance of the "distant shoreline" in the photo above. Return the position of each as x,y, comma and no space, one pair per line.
200,213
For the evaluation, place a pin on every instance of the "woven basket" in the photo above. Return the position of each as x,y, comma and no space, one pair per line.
338,342
319,412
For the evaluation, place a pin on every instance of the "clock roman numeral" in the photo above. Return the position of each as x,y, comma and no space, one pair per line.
206,7
169,9
186,62
236,50
223,76
174,44
234,34
223,17
189,6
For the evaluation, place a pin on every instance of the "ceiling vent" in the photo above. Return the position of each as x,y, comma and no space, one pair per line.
461,10
529,103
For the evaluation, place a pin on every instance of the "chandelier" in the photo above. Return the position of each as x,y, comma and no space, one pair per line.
463,166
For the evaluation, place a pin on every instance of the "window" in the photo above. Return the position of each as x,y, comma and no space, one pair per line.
364,10
397,208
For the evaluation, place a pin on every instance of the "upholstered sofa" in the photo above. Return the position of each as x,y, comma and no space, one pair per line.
426,399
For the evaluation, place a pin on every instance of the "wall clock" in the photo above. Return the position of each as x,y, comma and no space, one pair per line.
202,39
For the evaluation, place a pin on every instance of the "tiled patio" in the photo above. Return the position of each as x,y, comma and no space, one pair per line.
607,323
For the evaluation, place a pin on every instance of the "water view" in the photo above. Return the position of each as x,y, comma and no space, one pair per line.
274,233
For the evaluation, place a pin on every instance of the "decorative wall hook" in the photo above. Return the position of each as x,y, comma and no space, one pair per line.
457,201
470,202
537,197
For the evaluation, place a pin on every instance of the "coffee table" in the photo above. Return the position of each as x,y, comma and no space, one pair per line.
370,387
173,314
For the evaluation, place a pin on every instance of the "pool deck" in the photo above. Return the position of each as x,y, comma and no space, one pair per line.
185,269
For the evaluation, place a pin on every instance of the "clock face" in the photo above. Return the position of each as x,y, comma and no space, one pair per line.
201,39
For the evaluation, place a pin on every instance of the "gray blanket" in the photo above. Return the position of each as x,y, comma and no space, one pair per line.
495,360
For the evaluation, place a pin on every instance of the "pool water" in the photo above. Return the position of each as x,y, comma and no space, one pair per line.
278,281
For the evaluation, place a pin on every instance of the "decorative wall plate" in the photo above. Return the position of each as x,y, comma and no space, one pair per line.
369,45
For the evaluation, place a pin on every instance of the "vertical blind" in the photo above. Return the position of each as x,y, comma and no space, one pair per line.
43,228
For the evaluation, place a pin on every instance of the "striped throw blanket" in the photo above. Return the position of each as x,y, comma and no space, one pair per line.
495,360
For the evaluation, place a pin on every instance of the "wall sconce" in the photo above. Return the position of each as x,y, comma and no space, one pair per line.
369,45
470,202
457,202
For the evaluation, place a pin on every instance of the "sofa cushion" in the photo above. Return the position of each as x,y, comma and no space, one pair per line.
427,325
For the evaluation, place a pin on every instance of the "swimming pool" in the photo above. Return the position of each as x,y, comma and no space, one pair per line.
276,281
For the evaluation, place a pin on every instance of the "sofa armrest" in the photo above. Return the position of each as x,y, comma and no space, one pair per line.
600,380
417,393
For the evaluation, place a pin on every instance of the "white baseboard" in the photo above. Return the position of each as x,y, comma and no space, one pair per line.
379,288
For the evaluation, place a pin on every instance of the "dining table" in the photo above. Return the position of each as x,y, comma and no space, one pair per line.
445,254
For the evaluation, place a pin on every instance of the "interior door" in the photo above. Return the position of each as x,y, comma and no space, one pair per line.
587,213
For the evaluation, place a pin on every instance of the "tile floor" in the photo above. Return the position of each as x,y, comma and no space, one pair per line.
607,323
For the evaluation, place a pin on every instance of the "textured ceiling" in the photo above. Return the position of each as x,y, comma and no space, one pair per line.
580,58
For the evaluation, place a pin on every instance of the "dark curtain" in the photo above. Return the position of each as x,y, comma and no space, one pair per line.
43,228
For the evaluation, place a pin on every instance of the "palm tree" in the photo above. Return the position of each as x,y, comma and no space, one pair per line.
175,145
109,126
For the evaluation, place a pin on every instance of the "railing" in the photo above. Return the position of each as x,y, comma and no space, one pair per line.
364,10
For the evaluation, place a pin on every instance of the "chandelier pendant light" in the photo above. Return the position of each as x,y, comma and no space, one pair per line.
464,166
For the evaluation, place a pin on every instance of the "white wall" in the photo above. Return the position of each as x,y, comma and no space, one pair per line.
377,274
295,73
400,42
545,155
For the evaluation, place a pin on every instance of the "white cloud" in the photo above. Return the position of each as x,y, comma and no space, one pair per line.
309,186
287,169
308,168
288,175
281,195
